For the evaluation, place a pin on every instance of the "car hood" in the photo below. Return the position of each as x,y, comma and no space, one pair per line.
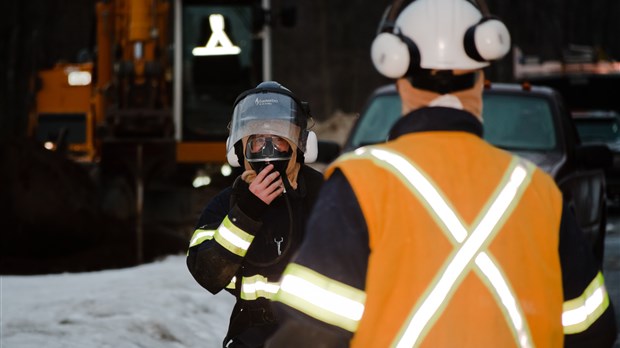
615,147
549,162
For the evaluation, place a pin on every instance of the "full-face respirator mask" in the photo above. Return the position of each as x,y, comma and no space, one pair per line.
264,149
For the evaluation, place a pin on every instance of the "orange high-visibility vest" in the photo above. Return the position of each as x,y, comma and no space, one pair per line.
464,245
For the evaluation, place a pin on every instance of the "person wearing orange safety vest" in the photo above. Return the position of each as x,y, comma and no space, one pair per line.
437,238
247,233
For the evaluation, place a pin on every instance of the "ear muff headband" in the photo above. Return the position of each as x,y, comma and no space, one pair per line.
397,5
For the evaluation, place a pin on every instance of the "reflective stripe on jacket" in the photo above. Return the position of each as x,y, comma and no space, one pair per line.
228,235
253,287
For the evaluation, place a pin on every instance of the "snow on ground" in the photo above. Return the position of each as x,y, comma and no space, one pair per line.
152,305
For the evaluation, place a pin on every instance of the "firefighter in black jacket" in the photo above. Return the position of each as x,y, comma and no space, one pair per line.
247,234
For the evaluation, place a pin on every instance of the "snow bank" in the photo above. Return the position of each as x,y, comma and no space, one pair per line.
153,305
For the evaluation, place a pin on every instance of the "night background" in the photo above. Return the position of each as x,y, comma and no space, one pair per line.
320,50
324,58
135,204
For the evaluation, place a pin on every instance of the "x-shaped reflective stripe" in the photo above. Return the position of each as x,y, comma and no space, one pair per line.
487,225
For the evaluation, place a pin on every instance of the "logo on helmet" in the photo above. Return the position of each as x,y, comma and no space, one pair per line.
261,102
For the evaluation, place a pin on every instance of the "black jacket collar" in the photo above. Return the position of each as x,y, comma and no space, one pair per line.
436,119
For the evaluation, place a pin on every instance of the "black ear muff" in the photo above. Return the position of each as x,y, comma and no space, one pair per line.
414,53
487,40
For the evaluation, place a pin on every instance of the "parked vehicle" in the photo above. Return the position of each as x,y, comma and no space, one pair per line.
532,122
603,127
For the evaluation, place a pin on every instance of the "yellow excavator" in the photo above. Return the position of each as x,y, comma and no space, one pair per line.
162,69
148,114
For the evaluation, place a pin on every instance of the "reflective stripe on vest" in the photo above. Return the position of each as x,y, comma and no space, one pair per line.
320,297
258,286
469,247
579,313
233,238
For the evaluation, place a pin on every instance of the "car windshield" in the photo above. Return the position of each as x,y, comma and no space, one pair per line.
598,130
512,122
518,122
375,124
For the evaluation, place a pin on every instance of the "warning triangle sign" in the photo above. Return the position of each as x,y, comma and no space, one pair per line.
219,44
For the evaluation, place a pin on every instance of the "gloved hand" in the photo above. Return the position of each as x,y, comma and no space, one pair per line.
267,185
261,192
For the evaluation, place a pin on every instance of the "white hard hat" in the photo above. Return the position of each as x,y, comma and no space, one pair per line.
438,35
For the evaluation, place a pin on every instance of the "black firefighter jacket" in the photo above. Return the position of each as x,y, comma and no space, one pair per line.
277,231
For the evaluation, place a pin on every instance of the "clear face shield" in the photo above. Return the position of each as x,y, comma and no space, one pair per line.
271,122
269,113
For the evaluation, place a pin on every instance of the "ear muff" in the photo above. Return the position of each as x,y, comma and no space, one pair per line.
232,156
394,54
487,40
312,148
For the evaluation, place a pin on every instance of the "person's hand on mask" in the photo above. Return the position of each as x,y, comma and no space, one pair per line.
267,185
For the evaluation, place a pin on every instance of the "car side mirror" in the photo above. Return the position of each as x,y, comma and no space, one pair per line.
328,151
594,156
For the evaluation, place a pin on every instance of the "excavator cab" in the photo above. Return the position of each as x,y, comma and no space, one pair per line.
221,57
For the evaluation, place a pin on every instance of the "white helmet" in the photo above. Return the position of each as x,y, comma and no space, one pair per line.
438,35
